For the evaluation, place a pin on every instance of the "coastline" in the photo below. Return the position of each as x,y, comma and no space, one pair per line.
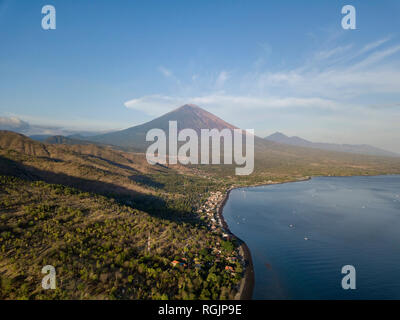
247,283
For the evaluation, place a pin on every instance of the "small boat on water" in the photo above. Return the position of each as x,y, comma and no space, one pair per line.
305,238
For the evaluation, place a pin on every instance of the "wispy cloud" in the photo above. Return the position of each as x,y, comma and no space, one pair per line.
325,78
221,79
330,53
13,123
377,57
165,72
339,73
221,103
376,44
347,86
16,124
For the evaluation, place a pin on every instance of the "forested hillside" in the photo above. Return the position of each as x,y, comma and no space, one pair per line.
111,225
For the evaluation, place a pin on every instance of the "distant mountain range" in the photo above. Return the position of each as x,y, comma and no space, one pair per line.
350,148
278,154
67,140
196,118
187,116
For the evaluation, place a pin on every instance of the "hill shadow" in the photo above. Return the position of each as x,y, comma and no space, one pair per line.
113,163
153,205
147,181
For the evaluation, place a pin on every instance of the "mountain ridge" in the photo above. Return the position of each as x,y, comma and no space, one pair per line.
365,149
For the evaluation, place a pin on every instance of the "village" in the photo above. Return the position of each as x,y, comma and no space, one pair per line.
229,256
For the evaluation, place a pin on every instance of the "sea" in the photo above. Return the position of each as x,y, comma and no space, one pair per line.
325,238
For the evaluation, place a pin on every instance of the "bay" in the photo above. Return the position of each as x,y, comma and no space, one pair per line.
301,234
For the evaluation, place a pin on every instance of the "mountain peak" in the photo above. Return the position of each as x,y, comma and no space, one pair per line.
278,135
188,116
190,109
188,106
193,117
20,143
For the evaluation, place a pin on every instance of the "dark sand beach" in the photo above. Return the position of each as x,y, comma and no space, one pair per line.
247,283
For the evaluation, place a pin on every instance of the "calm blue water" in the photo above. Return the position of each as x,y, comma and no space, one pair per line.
348,221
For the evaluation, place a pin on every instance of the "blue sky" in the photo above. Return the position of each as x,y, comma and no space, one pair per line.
269,65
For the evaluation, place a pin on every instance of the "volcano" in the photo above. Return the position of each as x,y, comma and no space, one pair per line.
188,116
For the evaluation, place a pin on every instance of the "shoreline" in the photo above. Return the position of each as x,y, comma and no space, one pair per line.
247,283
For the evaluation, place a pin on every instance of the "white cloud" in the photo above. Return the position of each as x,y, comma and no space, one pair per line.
377,57
165,72
156,105
34,125
326,86
13,123
373,45
335,89
337,74
327,54
221,79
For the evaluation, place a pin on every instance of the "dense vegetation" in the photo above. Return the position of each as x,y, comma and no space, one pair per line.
111,224
101,249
